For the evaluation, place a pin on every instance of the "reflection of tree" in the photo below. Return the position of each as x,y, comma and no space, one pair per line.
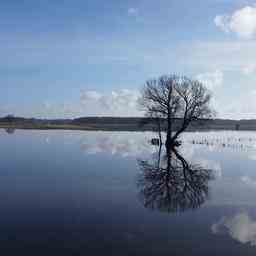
171,184
10,130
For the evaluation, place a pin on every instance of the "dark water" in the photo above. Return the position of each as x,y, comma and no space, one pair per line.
83,193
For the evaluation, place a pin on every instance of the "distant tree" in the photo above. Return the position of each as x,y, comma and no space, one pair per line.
9,118
171,97
10,130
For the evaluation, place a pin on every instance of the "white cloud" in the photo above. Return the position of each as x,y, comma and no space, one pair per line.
244,108
249,69
116,103
242,22
64,110
237,98
227,56
211,80
241,228
91,103
221,21
132,11
90,95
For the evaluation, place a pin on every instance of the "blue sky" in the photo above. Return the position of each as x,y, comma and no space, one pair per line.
64,58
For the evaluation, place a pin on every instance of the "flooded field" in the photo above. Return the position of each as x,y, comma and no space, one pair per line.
110,193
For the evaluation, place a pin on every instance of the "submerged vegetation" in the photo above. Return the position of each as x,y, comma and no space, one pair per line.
229,139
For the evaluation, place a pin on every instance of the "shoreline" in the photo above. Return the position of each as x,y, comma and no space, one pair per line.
112,128
123,124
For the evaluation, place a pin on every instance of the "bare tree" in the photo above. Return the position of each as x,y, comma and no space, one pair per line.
160,100
171,97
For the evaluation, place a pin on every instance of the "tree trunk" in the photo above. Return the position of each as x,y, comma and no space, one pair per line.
159,131
169,122
169,133
181,130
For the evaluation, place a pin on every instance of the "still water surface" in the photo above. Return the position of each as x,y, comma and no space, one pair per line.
93,193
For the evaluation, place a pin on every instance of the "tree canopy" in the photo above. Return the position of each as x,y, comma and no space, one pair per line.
171,97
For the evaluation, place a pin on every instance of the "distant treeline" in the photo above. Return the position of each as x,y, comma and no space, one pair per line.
121,123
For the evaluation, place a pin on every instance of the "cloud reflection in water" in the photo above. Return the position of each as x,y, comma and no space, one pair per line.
240,227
